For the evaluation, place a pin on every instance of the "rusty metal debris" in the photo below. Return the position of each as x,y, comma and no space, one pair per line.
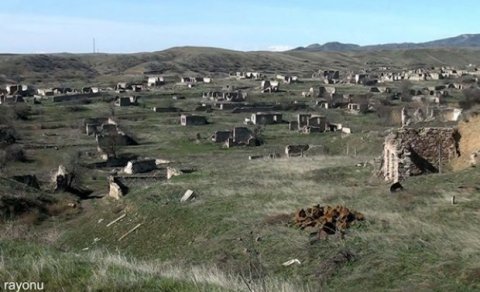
327,220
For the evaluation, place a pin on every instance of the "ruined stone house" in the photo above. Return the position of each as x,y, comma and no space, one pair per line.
287,78
317,121
431,99
89,90
107,128
213,95
126,101
321,91
247,75
357,108
189,80
265,118
455,86
165,109
237,136
109,137
253,75
331,76
234,96
90,129
192,120
323,103
45,92
11,99
241,136
408,152
155,81
269,86
361,78
63,90
121,86
221,136
308,123
20,89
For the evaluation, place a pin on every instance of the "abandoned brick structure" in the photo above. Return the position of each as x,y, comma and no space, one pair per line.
409,151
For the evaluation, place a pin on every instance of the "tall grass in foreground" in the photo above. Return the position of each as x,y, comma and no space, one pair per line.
99,270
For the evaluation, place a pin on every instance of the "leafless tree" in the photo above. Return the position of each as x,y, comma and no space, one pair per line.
471,97
405,87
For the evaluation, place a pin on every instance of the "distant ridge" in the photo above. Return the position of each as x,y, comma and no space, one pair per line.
461,41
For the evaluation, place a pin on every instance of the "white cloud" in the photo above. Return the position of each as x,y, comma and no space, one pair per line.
279,48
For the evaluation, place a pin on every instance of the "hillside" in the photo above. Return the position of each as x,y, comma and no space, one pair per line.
57,69
461,41
239,231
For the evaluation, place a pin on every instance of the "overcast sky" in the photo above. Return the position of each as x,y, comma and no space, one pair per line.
40,26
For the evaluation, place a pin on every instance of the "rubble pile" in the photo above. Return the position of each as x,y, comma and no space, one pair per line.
327,220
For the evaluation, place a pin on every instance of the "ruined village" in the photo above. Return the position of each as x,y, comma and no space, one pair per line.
223,167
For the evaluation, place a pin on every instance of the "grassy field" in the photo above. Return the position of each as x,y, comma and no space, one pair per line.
238,231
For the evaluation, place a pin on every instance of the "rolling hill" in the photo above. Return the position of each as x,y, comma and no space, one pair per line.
461,41
103,69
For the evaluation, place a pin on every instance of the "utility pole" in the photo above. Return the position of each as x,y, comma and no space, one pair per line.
94,49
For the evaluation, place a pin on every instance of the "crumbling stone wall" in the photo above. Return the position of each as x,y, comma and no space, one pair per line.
140,166
409,151
469,145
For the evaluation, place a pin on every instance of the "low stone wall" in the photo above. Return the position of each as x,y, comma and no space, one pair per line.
71,97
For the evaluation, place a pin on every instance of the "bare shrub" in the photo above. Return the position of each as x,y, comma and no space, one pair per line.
8,135
75,169
75,108
21,111
258,133
388,115
405,87
471,97
15,153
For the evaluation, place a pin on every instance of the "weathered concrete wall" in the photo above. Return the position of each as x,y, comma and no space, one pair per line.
411,151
